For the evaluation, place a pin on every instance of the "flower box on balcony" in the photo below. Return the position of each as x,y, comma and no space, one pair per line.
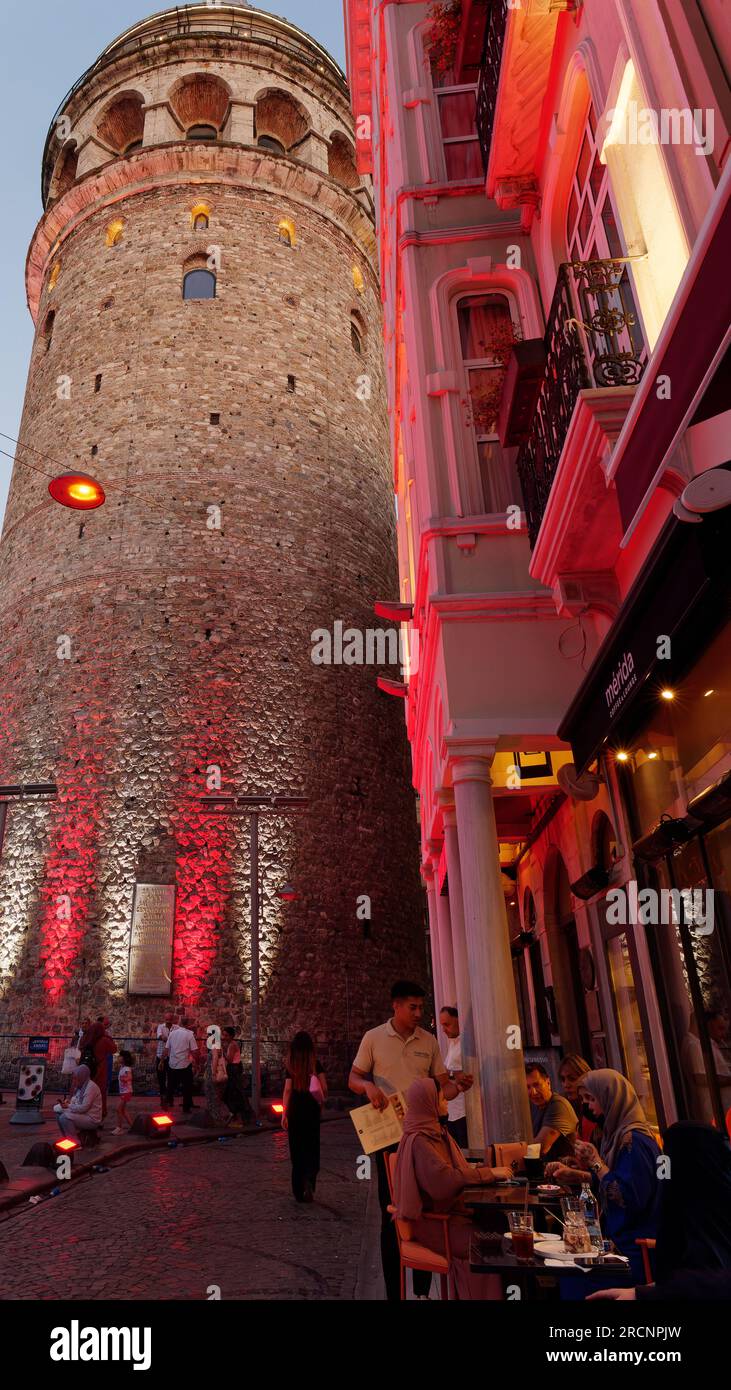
523,379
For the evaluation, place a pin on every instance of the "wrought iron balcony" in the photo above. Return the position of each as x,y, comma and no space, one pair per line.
492,57
593,339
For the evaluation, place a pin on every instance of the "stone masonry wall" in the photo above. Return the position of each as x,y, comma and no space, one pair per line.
190,647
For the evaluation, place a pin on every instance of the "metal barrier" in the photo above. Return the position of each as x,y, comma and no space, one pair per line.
335,1055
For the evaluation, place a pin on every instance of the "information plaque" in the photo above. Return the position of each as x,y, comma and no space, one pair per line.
151,939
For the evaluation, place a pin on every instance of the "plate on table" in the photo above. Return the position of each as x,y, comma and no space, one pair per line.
546,1238
548,1189
553,1246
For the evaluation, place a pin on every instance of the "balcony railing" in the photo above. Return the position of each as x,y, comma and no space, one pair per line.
492,57
593,339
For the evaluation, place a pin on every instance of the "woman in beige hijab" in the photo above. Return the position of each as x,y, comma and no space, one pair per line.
431,1175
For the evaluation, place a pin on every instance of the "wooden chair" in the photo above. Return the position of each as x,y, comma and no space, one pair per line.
507,1154
646,1244
412,1255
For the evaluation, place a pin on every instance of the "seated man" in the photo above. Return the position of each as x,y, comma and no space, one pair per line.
554,1120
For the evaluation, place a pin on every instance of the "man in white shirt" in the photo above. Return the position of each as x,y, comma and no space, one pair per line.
457,1122
180,1050
161,1061
388,1060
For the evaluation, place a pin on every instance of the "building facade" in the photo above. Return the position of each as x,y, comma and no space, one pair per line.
552,192
204,285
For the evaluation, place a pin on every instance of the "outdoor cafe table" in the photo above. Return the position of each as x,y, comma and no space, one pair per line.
512,1195
524,1272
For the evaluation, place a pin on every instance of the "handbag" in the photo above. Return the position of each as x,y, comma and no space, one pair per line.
71,1059
219,1067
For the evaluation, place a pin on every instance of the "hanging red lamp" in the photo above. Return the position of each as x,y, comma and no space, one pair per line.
77,491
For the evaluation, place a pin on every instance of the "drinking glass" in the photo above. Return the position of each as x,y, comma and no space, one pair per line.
521,1229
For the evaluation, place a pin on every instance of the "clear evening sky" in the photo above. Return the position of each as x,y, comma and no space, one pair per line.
44,47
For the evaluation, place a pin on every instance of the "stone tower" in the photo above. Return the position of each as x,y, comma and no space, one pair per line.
204,286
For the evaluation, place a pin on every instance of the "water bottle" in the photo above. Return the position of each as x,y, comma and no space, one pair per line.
591,1214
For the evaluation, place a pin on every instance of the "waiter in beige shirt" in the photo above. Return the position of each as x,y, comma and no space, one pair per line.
388,1060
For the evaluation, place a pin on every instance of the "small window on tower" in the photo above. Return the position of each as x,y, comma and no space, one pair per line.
98,382
53,277
200,217
199,284
292,383
357,333
202,132
115,233
267,142
358,281
47,330
288,232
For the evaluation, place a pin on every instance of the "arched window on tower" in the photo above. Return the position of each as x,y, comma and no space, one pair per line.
487,332
288,232
53,277
202,132
199,284
47,330
200,217
267,142
201,223
357,333
115,233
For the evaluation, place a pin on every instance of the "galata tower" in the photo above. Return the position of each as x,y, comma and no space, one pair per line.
204,287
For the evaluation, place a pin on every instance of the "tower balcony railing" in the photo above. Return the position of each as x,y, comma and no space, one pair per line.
487,90
593,340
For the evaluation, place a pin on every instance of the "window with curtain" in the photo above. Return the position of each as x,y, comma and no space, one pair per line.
487,332
457,109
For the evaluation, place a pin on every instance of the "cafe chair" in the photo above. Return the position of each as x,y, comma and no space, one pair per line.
508,1154
412,1255
646,1244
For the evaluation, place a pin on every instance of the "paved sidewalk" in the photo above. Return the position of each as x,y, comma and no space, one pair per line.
184,1223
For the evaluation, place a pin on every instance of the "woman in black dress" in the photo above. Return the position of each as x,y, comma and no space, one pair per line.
234,1095
305,1091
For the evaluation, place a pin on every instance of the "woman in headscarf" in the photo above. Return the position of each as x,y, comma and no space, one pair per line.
693,1254
624,1169
431,1175
84,1109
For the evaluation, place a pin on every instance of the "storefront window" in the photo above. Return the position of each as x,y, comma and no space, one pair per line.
676,763
629,1024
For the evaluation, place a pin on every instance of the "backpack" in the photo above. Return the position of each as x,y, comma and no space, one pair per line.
89,1060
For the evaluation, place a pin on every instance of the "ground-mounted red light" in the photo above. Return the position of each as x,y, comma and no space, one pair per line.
278,1109
288,894
162,1121
67,1146
78,491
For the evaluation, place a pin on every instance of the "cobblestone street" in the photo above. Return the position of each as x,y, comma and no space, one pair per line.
171,1225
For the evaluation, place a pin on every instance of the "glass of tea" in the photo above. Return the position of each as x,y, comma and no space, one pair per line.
521,1229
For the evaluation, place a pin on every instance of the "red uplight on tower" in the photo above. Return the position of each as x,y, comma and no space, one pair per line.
67,1146
278,1109
78,491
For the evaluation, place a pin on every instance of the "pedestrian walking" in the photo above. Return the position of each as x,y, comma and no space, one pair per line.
126,1086
305,1093
181,1049
161,1062
388,1060
104,1049
84,1110
215,1080
234,1095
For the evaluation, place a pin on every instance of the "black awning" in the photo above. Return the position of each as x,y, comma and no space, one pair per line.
681,594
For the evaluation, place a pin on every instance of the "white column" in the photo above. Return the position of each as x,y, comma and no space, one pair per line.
473,1097
427,873
446,959
501,1067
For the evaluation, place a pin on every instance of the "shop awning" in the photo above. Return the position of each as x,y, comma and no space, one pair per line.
681,594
